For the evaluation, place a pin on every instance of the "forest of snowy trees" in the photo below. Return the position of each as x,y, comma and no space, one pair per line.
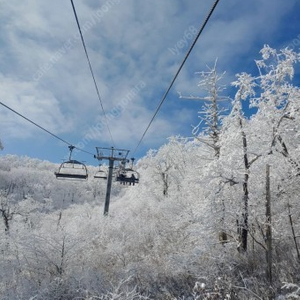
215,216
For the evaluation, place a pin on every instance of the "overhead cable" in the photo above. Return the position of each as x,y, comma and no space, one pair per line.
177,73
92,72
42,128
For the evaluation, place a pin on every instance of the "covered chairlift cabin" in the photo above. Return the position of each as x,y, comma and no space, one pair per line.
72,169
127,175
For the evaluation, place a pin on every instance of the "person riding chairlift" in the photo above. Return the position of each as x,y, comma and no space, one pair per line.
132,179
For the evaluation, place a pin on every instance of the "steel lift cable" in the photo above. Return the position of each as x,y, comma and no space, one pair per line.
92,72
177,73
42,128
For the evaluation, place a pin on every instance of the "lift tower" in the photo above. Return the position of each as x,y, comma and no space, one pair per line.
112,155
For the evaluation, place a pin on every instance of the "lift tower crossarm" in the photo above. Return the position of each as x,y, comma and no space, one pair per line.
111,153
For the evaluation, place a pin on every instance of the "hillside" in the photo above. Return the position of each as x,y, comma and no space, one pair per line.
215,216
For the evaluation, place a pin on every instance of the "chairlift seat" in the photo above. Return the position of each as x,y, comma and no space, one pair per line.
72,169
128,175
74,162
70,176
100,175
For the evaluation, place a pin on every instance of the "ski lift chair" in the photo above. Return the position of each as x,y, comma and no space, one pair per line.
100,174
131,176
128,175
72,169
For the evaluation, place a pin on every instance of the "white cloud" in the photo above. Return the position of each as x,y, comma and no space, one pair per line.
45,73
38,105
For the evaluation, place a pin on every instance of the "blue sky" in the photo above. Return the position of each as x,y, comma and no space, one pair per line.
135,48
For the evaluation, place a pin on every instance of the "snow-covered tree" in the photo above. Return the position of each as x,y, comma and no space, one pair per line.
245,85
208,129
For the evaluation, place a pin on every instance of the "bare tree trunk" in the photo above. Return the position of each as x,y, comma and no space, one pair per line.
6,222
293,232
60,269
296,166
268,227
165,183
244,225
7,217
215,134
